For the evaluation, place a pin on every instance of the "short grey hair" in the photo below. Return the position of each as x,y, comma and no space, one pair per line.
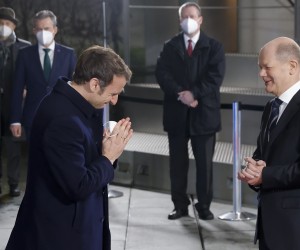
189,4
45,14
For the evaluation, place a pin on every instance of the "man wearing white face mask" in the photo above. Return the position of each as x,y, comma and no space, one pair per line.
190,71
9,48
38,68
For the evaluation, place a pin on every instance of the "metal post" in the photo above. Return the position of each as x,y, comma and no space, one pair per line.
126,32
106,107
236,214
111,193
297,20
237,196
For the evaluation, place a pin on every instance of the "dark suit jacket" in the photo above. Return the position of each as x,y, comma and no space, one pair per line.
65,205
29,74
7,84
280,189
202,74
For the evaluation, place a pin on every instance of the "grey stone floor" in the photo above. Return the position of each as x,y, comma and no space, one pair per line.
138,221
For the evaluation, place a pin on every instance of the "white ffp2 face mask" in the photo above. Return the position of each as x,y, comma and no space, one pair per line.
44,37
189,25
5,31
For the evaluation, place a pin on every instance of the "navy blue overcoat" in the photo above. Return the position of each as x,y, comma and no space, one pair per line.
65,205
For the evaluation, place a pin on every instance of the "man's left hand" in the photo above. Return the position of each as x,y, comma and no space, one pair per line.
252,173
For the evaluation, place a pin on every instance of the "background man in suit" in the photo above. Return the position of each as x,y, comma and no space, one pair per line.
190,71
65,205
37,70
9,48
274,168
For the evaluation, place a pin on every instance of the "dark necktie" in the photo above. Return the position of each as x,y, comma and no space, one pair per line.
190,47
274,114
47,64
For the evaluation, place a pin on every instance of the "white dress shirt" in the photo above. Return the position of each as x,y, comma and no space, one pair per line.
287,96
50,53
194,39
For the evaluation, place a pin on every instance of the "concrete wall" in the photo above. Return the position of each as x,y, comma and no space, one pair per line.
243,27
259,21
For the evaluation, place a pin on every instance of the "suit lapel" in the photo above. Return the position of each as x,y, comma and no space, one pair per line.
36,59
289,112
264,132
57,60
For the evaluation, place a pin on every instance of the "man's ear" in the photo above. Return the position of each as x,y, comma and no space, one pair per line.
94,85
55,30
293,67
200,20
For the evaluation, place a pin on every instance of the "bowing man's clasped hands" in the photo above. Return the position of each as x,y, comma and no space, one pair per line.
114,142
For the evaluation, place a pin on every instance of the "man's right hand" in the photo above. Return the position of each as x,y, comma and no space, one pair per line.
187,98
113,145
16,130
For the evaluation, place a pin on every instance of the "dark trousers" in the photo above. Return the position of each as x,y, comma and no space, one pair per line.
203,149
261,238
13,159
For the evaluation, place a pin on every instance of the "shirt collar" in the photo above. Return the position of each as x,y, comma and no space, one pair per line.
195,38
51,47
289,93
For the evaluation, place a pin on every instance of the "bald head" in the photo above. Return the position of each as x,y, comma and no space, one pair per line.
285,49
279,61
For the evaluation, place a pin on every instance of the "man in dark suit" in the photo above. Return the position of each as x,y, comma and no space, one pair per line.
190,71
65,205
274,168
9,49
37,70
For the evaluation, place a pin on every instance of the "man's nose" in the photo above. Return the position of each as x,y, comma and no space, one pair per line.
114,100
262,72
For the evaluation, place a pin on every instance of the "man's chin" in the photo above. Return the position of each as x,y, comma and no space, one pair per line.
269,89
